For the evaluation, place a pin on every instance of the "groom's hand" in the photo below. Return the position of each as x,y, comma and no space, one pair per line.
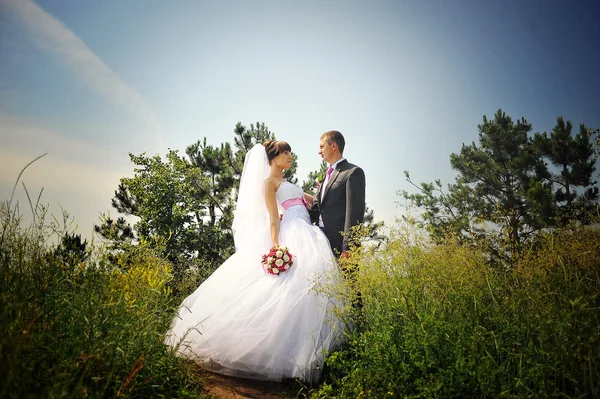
344,255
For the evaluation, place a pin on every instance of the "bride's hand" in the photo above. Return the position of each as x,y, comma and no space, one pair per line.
308,198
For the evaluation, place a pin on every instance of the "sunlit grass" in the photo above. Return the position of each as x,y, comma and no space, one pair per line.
438,321
78,321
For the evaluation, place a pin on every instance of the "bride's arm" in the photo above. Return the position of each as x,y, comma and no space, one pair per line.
271,202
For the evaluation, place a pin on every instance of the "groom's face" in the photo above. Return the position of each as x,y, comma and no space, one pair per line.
326,150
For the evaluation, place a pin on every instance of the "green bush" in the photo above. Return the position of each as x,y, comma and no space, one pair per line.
76,322
438,321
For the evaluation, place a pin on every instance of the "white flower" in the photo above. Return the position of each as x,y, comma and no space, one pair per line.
287,267
275,270
269,260
278,262
279,254
283,248
286,258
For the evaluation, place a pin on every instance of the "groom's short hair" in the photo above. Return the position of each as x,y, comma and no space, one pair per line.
335,137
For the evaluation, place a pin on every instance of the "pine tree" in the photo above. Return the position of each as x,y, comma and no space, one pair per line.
213,187
573,158
500,198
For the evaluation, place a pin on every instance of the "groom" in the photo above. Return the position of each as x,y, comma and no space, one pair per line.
340,201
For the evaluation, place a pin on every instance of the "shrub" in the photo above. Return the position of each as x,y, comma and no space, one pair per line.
76,322
438,321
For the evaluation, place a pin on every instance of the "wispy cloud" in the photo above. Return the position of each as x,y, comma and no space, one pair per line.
52,36
22,136
67,157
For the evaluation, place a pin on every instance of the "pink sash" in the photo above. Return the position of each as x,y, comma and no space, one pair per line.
294,201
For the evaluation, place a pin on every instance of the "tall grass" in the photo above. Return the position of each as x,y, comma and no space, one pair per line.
438,321
76,322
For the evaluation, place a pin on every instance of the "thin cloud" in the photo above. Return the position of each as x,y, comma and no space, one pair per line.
25,137
22,141
51,35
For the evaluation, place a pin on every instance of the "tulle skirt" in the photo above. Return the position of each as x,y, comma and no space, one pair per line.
245,323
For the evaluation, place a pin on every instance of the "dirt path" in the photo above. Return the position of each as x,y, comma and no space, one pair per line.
223,387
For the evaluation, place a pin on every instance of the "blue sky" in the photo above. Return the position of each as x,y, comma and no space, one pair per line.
406,82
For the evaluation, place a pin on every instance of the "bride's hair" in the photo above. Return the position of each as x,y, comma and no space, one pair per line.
274,148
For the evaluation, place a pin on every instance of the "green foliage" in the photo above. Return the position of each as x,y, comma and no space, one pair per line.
213,180
501,173
75,322
115,231
595,137
71,251
245,139
573,156
504,194
438,321
373,230
314,179
166,197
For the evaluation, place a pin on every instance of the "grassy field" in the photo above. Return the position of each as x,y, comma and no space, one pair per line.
439,322
79,321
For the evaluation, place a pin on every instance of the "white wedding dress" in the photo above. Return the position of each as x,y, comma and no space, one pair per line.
246,323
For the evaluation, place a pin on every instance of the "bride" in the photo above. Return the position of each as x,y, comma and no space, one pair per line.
246,323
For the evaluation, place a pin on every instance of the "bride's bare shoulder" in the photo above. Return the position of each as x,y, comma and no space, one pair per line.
271,184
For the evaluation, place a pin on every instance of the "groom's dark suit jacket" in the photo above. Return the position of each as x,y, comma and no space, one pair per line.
343,204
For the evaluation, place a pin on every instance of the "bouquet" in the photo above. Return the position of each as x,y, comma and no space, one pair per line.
277,260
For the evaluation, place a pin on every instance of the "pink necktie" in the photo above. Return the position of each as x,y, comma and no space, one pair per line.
329,171
326,181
